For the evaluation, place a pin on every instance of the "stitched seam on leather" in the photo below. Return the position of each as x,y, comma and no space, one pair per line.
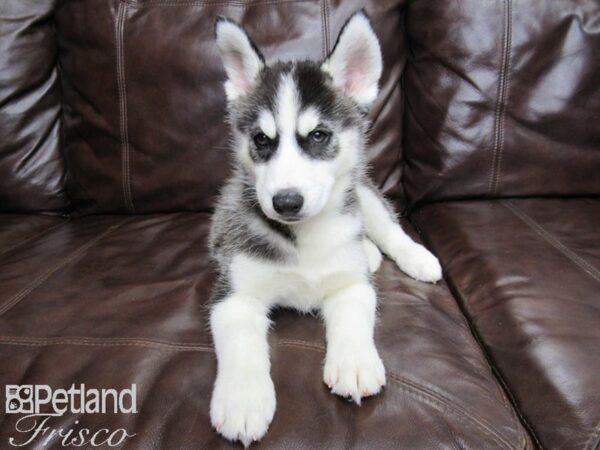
39,280
327,28
125,173
32,238
302,344
136,4
104,342
323,33
49,339
501,101
553,241
444,404
138,342
506,87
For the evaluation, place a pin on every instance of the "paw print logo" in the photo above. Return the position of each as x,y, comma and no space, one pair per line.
19,399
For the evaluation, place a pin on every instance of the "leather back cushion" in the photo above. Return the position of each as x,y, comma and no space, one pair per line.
145,105
32,169
502,99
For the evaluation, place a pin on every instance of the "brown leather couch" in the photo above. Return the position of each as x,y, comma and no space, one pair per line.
486,134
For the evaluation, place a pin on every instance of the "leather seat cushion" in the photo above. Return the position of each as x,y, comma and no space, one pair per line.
527,273
112,300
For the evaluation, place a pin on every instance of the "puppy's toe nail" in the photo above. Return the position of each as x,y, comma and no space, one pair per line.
245,440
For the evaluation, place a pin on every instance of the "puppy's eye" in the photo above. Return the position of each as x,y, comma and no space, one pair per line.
319,136
261,140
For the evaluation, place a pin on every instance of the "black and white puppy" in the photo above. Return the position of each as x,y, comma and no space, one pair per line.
298,224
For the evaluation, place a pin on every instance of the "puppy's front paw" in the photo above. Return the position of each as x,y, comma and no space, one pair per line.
242,409
354,371
419,263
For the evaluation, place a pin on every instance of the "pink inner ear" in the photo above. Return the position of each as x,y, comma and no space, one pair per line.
356,72
238,74
354,81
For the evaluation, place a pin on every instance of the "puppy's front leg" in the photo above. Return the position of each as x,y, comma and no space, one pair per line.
383,228
243,400
352,365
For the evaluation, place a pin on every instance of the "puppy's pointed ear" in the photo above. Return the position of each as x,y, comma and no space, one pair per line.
241,58
355,64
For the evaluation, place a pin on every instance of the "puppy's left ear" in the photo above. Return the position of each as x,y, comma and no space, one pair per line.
355,64
241,58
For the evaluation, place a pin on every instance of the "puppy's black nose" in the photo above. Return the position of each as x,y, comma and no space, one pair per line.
288,202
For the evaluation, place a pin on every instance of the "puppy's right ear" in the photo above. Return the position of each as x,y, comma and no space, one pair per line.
241,58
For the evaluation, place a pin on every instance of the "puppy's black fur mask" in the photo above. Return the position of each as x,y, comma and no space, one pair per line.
315,90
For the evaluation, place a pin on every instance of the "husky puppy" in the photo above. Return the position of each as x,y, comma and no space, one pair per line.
298,223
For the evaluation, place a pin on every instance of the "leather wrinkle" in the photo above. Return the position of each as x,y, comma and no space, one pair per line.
393,167
73,256
32,238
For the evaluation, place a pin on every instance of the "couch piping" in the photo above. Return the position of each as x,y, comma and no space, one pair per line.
40,279
553,241
500,114
125,170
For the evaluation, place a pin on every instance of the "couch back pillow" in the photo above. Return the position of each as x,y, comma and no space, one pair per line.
144,100
32,168
502,99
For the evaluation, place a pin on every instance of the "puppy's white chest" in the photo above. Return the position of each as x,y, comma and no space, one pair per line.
329,256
